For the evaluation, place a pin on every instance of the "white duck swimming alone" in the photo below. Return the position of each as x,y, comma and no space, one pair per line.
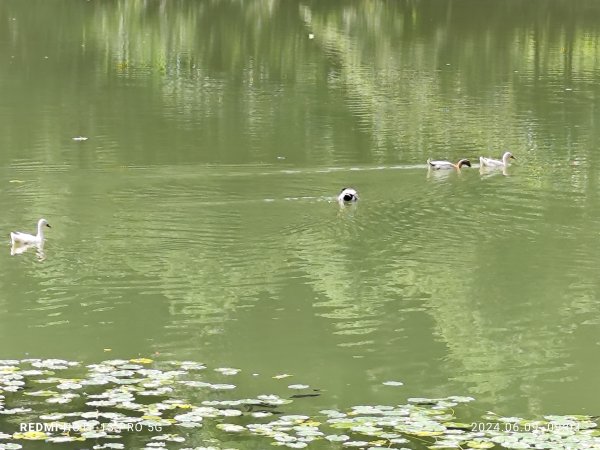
347,195
437,165
489,162
17,237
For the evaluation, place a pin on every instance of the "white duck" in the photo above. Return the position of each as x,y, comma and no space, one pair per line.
437,165
18,238
347,195
489,162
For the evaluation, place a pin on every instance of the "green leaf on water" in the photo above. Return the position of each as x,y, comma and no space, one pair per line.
230,428
480,444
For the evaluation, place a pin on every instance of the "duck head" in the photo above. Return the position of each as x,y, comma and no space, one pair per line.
507,156
43,223
348,195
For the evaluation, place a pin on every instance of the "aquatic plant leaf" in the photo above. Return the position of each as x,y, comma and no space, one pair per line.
59,439
458,425
355,444
230,428
12,411
297,418
169,437
222,387
337,438
190,424
140,361
332,413
296,444
104,403
230,412
423,433
68,385
41,393
480,444
342,425
31,435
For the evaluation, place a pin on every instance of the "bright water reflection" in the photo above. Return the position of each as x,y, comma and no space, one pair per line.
199,220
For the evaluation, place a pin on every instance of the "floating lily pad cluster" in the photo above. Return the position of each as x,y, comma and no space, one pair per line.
59,401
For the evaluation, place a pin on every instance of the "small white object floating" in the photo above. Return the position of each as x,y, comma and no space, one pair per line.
393,383
347,195
16,237
489,162
311,36
437,165
80,138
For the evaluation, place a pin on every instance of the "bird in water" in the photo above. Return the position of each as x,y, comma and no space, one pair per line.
489,162
437,165
347,195
16,237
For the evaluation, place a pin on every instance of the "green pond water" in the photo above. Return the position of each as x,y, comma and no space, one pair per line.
198,221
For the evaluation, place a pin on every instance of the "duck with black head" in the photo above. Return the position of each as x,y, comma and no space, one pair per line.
347,195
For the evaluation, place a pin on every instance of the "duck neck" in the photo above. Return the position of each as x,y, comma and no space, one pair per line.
40,233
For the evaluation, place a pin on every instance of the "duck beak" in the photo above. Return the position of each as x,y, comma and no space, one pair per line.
48,225
512,157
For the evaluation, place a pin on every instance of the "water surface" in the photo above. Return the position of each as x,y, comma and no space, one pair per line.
199,219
